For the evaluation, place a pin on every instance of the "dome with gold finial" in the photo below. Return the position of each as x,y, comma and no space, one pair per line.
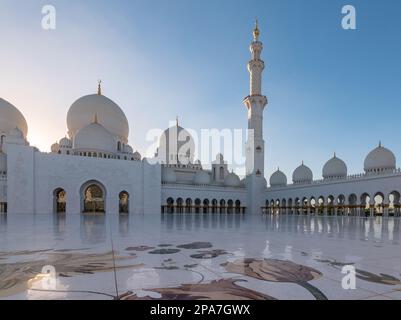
278,179
109,115
302,175
335,168
380,159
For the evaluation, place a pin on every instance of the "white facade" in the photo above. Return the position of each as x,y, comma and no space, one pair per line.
94,169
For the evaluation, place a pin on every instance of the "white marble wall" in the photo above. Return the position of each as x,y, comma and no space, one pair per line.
371,185
33,177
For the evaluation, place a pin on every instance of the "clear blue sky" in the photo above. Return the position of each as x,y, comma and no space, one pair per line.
329,89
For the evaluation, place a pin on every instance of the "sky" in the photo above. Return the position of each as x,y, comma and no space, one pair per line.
329,89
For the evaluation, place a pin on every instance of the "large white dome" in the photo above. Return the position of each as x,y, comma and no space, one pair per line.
380,159
278,179
108,113
302,174
335,168
176,143
11,118
94,137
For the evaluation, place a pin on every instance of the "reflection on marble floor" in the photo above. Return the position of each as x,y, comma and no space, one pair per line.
204,256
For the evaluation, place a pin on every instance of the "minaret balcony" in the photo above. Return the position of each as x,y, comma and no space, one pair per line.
255,100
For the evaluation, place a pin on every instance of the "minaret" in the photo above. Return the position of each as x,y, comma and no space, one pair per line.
255,103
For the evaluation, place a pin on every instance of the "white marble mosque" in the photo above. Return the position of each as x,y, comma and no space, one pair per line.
95,169
99,221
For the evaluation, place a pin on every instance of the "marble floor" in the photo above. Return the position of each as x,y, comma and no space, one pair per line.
198,256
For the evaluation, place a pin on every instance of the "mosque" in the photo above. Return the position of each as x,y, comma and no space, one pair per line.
94,169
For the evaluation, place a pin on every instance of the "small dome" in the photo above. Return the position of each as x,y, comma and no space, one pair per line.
335,168
169,175
55,147
278,179
65,143
202,178
232,180
3,162
128,149
94,137
11,118
137,156
380,159
109,115
302,174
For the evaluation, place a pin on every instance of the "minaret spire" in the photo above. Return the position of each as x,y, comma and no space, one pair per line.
255,104
256,32
99,87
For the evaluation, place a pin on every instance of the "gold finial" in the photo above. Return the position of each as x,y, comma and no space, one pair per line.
99,87
176,121
256,32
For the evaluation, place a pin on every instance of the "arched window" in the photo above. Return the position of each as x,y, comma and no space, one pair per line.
214,206
119,146
180,205
188,205
394,203
93,195
170,205
221,173
60,201
230,205
237,206
206,206
124,202
197,205
222,206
